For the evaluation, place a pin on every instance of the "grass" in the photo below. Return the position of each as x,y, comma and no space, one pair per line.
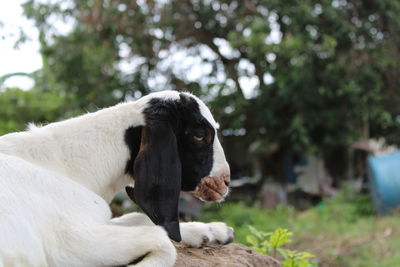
342,231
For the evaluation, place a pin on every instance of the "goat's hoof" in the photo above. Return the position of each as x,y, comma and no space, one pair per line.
196,234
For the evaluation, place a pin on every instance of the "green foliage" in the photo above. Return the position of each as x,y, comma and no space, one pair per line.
298,259
273,242
18,108
333,214
268,243
334,63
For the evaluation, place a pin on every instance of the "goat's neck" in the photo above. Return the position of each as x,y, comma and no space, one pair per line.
89,149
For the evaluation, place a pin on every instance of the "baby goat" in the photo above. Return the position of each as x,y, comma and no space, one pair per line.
56,182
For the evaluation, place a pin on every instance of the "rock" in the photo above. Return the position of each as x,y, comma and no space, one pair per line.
231,255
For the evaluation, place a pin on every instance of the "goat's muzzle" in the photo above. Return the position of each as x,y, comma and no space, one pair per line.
213,188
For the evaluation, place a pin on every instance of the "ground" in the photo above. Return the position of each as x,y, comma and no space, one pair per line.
231,255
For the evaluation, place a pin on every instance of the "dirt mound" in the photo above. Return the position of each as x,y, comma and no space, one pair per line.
231,255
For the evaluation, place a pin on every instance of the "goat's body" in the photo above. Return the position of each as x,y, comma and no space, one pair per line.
60,204
83,149
69,170
55,185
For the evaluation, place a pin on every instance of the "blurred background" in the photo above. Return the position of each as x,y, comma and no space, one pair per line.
306,92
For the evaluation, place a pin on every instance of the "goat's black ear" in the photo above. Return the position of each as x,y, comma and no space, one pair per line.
157,173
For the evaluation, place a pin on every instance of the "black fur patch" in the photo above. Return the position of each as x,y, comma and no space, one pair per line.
196,156
170,153
186,120
132,139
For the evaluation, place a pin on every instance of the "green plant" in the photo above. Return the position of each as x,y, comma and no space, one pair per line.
272,243
294,258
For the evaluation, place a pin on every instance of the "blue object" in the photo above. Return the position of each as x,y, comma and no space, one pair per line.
384,175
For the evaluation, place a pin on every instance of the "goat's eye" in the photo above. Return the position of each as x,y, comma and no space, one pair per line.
198,138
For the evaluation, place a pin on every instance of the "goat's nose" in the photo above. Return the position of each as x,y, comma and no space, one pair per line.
227,179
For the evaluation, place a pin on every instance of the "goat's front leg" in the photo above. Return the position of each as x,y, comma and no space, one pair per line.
194,234
111,245
198,234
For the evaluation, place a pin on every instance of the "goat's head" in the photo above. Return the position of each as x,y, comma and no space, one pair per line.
177,149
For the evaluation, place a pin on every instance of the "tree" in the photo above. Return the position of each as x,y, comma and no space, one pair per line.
298,75
20,107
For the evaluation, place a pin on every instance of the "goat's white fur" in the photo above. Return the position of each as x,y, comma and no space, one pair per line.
55,185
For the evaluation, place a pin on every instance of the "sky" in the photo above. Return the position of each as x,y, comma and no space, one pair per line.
26,58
